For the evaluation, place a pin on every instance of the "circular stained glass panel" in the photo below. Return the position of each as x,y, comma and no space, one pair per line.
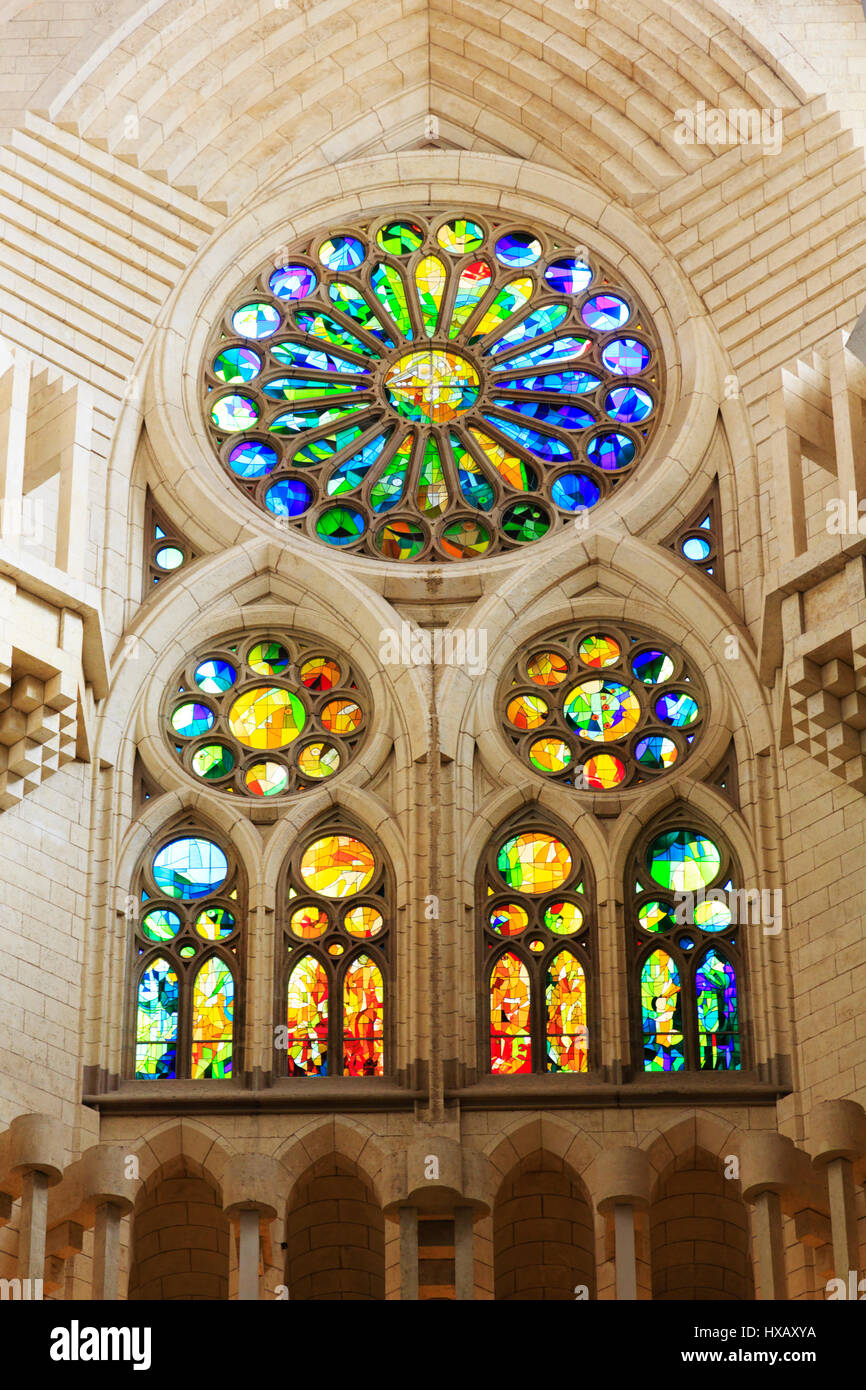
337,866
602,710
534,863
423,368
189,867
683,860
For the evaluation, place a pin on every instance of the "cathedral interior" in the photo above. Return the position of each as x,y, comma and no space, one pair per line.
432,649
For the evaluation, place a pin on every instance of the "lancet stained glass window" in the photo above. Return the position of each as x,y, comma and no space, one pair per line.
537,918
265,714
432,385
187,937
602,706
337,944
688,912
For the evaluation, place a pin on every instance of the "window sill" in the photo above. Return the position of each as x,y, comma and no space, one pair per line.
589,1092
312,1094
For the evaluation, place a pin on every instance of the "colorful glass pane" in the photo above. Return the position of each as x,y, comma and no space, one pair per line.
508,919
463,539
267,717
655,915
527,711
160,924
510,1041
214,923
340,526
518,249
189,867
656,752
268,659
307,1018
603,772
511,469
508,300
350,301
288,497
563,918
568,275
475,280
214,676
238,364
363,1019
460,236
363,920
602,710
256,320
625,356
599,650
677,709
156,1022
293,282
661,1008
547,668
212,1014
604,312
431,277
718,1014
388,488
266,779
550,755
611,451
252,459
652,667
309,922
400,540
191,719
683,860
389,289
342,253
432,387
212,761
320,673
565,1002
432,495
337,866
534,862
233,413
400,238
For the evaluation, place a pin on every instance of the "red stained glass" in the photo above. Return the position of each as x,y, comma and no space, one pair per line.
363,1019
510,1042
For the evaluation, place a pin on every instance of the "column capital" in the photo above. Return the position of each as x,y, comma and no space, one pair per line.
437,1174
254,1182
838,1129
769,1162
621,1177
37,1144
104,1180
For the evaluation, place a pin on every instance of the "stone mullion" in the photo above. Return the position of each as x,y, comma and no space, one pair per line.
256,984
614,987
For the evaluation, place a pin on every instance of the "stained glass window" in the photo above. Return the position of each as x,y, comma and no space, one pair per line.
186,937
602,706
338,951
265,714
537,914
432,386
688,915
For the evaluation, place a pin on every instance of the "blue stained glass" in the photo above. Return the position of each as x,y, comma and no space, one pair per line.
706,524
256,320
604,312
558,350
718,1025
189,867
341,252
236,364
215,676
629,404
295,421
567,382
696,548
539,321
518,249
625,356
546,446
676,709
285,388
312,359
352,473
252,459
611,451
575,491
568,276
293,282
156,1022
652,667
350,301
476,489
564,417
288,497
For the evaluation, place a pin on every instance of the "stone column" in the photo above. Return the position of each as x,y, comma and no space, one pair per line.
110,1195
408,1253
255,1188
36,1158
464,1253
769,1165
838,1128
621,1183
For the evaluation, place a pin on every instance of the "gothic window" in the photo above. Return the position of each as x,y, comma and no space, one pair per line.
265,714
602,705
537,912
187,933
431,387
338,953
687,965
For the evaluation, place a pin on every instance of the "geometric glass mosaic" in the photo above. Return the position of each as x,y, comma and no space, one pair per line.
431,386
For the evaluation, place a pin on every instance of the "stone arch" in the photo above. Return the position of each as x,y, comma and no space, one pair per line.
335,1234
543,1232
347,1139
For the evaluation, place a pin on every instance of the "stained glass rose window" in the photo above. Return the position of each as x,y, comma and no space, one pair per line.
432,387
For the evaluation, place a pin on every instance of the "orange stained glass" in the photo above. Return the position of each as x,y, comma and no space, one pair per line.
212,1017
565,1002
603,772
547,668
534,862
599,651
363,1019
550,755
510,468
563,918
338,866
508,919
309,922
320,673
363,921
341,716
318,760
527,711
510,1041
267,717
307,1018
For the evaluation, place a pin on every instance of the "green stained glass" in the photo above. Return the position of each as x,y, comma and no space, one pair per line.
525,522
399,540
400,238
326,446
389,486
212,760
351,301
340,526
509,299
683,860
322,326
476,490
460,236
432,496
311,417
288,388
352,473
389,289
160,924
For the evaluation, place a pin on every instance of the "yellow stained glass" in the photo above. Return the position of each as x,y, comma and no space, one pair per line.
363,920
309,922
318,760
547,668
341,716
431,278
508,919
432,387
338,866
267,717
603,772
563,918
550,755
599,650
511,469
527,711
534,862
